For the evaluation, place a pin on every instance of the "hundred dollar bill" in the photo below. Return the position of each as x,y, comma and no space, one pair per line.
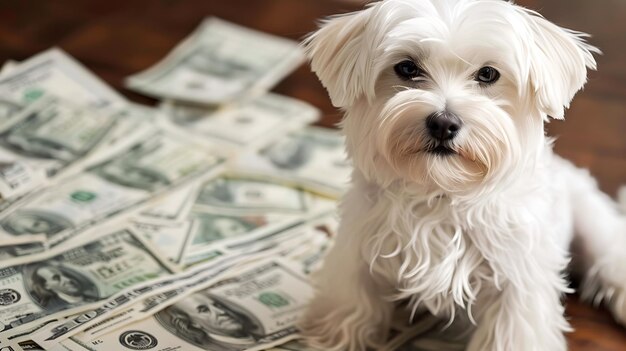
247,124
237,207
208,226
55,136
241,193
215,228
52,72
139,301
154,164
219,62
73,279
43,140
254,310
53,133
314,156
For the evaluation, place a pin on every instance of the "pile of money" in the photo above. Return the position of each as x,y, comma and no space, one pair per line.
194,225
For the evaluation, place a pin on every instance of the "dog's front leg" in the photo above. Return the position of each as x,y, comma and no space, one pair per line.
522,318
349,312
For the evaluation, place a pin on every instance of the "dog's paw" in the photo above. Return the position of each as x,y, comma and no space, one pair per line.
606,283
617,305
342,329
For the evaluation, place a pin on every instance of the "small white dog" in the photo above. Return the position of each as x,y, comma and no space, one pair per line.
458,204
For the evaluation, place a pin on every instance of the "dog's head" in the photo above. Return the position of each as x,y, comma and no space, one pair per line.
451,94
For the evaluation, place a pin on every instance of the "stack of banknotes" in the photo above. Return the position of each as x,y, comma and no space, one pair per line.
190,226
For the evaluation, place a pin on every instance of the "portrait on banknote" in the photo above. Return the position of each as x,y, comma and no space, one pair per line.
203,321
34,221
55,286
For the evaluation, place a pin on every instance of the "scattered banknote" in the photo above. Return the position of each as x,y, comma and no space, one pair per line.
55,73
38,141
75,278
154,164
238,206
219,62
253,310
209,225
43,139
312,155
249,124
191,226
253,194
138,302
53,132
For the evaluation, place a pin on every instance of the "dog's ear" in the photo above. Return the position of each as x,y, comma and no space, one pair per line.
337,56
559,60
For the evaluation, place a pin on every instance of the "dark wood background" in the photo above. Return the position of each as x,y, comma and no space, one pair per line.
116,38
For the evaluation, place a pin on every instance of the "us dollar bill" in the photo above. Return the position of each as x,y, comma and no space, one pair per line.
210,225
240,193
53,133
143,300
314,156
52,72
219,62
45,139
254,310
75,278
238,207
248,124
140,301
152,165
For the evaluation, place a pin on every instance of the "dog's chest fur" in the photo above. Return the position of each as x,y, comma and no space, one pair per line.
437,264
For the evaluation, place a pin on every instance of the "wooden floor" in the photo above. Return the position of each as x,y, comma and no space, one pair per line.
115,38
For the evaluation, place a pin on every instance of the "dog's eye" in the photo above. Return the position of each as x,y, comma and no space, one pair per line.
407,69
487,75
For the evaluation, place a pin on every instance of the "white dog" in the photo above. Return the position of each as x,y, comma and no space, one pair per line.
458,204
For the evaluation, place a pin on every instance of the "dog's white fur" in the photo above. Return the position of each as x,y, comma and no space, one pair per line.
484,232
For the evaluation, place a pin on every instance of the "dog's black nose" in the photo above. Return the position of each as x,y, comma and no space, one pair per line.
443,125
